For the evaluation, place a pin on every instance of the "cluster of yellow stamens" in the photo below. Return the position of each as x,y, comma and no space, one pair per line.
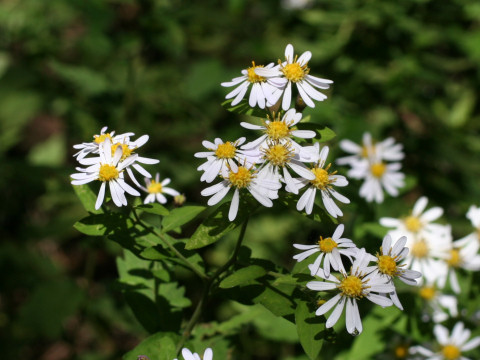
366,151
388,265
322,177
278,154
327,245
427,292
155,187
412,223
101,138
241,178
401,351
455,258
226,151
126,151
107,172
451,352
352,286
294,72
419,249
252,76
378,169
277,129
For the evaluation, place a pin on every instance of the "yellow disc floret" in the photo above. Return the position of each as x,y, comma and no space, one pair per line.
378,169
101,138
278,154
241,178
252,76
451,352
352,287
419,249
322,177
294,72
455,259
107,172
226,151
277,130
427,292
155,187
126,151
387,265
413,223
327,245
401,351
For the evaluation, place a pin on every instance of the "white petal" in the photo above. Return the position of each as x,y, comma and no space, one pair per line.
232,213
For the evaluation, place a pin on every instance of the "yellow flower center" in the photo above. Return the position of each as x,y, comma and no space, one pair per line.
378,169
366,151
226,151
101,138
401,351
155,187
352,287
294,72
451,352
126,151
327,245
107,172
412,223
455,259
277,130
322,177
252,76
278,154
427,292
387,265
320,302
419,249
241,178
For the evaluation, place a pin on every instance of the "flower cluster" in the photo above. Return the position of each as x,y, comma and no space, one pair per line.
115,155
276,157
434,253
375,163
370,276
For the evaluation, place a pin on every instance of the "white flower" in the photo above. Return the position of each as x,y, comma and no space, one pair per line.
93,146
323,181
473,215
330,250
107,169
441,306
263,190
221,157
188,355
262,91
156,189
452,346
296,71
277,130
360,283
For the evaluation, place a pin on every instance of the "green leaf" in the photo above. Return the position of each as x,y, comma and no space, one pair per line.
216,226
243,276
277,299
159,346
180,216
87,198
245,109
309,329
326,134
102,224
153,208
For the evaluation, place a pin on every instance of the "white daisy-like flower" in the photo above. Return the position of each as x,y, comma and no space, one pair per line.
157,189
361,283
388,264
107,169
221,157
324,182
386,150
378,176
263,190
262,92
440,306
93,146
188,355
278,130
295,71
473,215
452,346
330,250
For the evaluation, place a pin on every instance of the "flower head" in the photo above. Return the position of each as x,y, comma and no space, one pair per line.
157,189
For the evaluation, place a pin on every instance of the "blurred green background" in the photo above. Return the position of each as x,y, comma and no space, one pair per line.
407,69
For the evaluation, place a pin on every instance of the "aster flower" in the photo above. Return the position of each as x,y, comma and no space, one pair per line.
360,283
188,355
107,169
157,189
440,306
330,250
263,190
473,215
262,92
278,130
452,346
296,71
324,182
221,157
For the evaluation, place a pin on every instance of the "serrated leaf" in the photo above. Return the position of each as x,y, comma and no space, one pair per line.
309,329
243,276
153,208
180,216
159,346
87,198
216,226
